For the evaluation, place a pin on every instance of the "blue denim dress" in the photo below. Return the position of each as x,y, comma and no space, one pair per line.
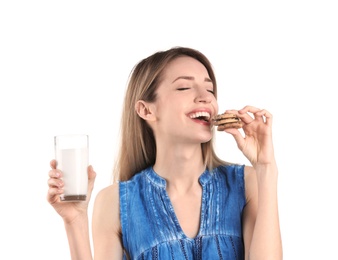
150,228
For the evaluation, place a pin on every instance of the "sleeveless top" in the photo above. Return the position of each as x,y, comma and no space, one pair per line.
150,228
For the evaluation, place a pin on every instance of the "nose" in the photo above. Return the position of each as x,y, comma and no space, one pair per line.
203,96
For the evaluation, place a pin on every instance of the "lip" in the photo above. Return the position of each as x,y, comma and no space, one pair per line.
209,111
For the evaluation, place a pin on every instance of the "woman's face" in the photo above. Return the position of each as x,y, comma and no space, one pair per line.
185,102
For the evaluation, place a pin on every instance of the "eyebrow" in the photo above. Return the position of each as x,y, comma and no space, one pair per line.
191,78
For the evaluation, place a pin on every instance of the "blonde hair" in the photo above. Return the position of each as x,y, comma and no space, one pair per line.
137,143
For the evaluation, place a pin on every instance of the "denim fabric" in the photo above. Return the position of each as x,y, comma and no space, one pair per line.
150,228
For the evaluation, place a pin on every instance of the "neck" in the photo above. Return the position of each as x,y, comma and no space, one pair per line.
180,166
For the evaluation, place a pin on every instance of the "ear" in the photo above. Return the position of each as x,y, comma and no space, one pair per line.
145,110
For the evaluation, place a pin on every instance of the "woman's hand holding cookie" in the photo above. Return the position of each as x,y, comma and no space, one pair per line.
256,144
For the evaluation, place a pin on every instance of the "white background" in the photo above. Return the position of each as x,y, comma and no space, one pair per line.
64,67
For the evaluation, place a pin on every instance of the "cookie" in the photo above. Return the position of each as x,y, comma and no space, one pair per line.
226,120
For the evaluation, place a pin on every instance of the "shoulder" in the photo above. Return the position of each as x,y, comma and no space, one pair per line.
134,182
106,207
108,195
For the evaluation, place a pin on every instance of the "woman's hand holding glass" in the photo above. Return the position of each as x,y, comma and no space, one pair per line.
69,211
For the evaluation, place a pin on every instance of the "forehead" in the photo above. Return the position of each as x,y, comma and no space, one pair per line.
185,66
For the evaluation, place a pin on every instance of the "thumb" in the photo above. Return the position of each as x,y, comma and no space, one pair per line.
237,136
91,177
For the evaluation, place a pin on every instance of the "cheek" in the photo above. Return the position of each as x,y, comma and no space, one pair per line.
164,110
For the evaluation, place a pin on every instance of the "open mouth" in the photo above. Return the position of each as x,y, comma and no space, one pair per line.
203,116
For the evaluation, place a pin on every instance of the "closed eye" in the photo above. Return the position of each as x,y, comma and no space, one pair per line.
181,89
211,91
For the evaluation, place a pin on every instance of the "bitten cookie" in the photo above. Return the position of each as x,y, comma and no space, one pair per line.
226,120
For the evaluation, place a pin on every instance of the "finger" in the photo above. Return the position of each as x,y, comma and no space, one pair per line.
237,136
265,114
248,109
53,164
259,117
91,177
231,111
243,113
57,174
53,195
247,119
91,172
252,110
244,116
55,182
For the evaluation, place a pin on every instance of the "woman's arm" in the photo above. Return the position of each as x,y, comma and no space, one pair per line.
78,239
74,214
261,227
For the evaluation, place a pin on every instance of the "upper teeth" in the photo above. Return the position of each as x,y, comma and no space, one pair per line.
200,114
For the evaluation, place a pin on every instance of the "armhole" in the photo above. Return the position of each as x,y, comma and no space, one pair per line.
123,214
241,183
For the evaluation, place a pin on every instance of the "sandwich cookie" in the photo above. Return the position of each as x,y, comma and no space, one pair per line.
227,120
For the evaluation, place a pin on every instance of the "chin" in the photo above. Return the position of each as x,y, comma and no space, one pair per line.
205,138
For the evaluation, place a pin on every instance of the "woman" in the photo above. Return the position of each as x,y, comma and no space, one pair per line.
174,198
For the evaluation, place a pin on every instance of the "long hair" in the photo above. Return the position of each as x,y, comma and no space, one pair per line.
137,143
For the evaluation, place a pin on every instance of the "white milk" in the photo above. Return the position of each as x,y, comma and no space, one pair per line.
73,163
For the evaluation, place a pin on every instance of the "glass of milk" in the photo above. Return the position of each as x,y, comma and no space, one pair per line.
71,154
